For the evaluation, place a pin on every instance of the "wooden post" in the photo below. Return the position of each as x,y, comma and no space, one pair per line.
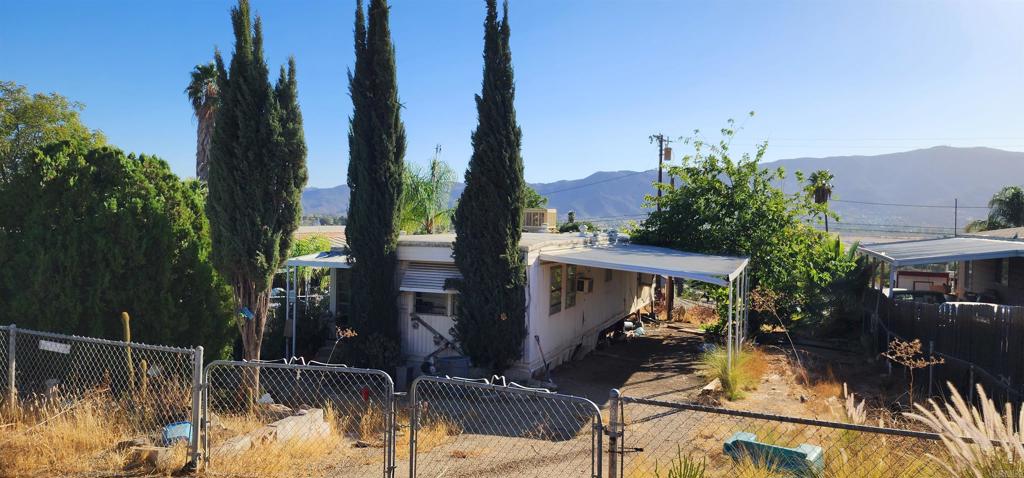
129,364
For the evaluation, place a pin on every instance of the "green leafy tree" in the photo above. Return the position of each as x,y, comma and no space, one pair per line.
87,233
257,171
426,196
29,121
202,93
490,323
1006,209
722,205
532,199
376,142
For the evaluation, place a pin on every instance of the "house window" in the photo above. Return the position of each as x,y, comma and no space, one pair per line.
555,301
431,303
607,275
570,293
1003,272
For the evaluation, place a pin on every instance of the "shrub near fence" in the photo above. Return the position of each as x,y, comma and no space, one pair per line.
980,343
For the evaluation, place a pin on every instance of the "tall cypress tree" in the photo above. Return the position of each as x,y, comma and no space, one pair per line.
490,322
376,142
257,171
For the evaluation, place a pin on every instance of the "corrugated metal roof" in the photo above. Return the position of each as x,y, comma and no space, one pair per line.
653,260
951,249
429,277
333,259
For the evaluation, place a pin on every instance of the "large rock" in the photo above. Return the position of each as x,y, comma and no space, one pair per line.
304,425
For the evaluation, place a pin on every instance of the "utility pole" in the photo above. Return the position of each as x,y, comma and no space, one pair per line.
956,211
662,142
663,151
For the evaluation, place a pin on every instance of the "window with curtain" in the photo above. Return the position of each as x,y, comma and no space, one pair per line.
570,292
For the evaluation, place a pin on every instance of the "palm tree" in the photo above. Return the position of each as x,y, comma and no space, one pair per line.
1006,209
202,92
426,197
820,187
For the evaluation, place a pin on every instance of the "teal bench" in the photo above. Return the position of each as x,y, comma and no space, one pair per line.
802,460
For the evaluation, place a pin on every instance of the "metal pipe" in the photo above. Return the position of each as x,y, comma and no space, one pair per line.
197,400
12,343
729,337
614,432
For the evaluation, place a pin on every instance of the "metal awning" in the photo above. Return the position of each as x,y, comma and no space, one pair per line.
429,277
718,270
331,259
952,249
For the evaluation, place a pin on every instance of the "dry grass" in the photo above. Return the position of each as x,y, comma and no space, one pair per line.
981,443
748,366
77,437
277,457
700,315
431,435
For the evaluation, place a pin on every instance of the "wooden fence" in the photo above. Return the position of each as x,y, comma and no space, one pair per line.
980,343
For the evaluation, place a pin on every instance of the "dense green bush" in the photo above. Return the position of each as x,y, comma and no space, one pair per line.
86,233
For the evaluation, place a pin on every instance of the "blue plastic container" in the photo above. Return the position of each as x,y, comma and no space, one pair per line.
175,432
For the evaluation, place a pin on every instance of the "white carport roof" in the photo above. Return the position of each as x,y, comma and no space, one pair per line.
332,259
932,251
719,270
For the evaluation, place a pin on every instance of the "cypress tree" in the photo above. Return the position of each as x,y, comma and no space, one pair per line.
257,171
376,141
490,324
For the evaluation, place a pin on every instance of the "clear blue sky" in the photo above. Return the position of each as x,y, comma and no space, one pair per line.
594,78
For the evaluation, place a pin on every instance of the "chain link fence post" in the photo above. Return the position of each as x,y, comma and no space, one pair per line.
12,388
11,368
615,428
197,402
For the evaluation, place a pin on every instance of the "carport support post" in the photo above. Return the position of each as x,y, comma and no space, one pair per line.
729,338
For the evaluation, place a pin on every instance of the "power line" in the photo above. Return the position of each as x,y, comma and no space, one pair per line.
587,185
937,206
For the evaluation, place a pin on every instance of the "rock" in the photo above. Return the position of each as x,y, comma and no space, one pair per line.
712,387
361,444
303,425
136,442
803,399
148,456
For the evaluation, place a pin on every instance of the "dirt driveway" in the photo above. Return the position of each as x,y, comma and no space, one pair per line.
660,365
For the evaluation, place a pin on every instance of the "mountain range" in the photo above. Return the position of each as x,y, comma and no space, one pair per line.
912,191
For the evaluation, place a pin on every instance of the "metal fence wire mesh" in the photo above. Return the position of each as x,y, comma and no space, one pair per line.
151,385
300,420
466,428
659,434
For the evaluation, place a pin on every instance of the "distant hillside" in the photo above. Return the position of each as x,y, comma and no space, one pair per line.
933,176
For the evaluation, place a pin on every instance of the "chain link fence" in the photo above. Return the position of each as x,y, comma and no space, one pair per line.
279,419
650,437
463,428
96,402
